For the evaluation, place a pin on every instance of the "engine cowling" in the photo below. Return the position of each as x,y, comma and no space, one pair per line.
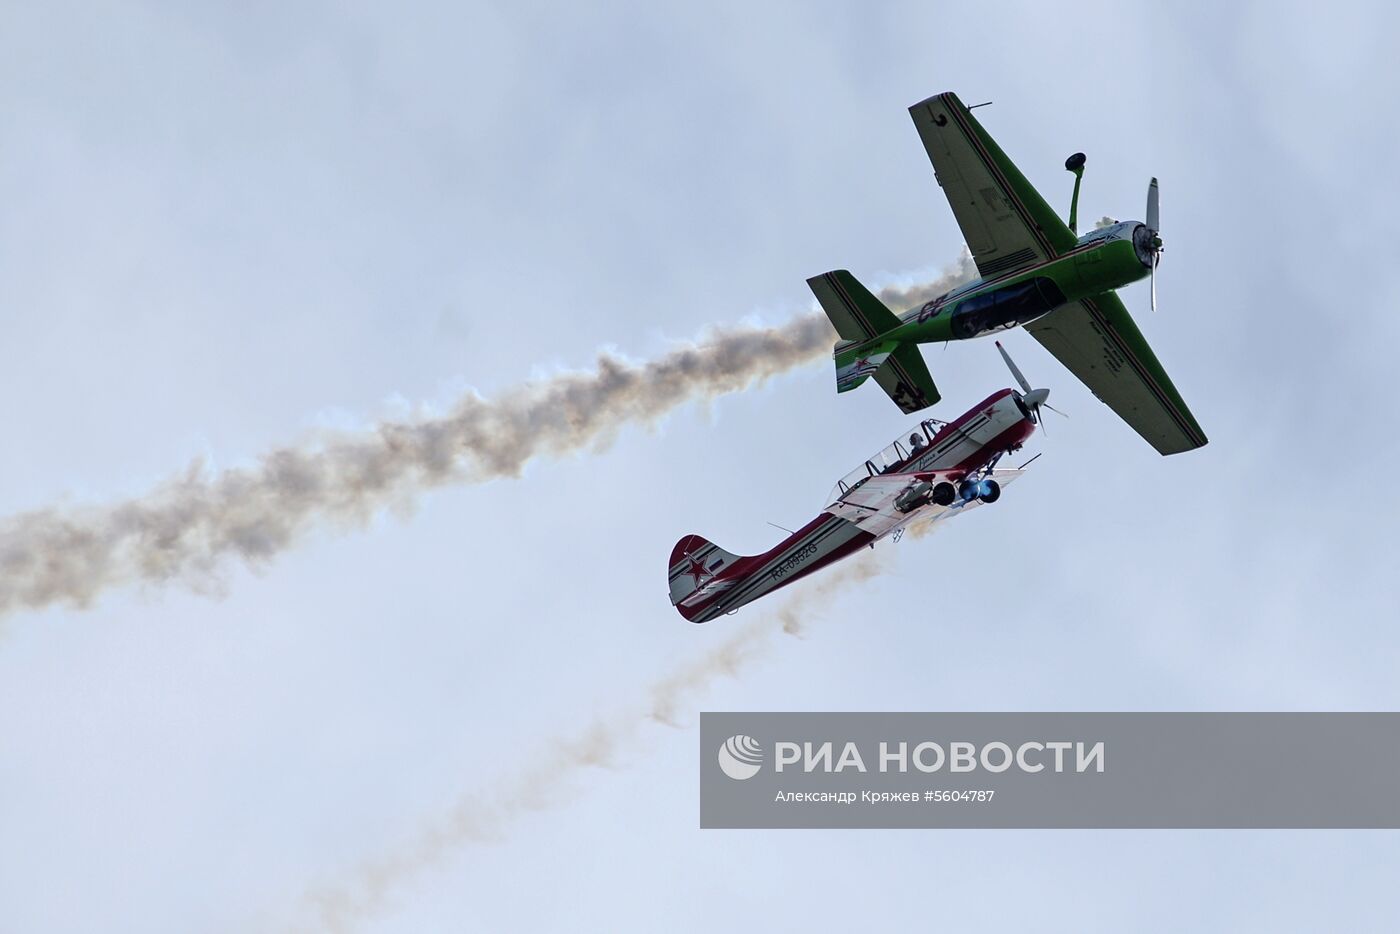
986,490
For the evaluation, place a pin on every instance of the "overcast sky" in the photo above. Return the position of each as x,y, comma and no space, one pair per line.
223,227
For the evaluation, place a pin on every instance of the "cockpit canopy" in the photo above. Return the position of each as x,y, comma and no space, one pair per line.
1006,307
893,457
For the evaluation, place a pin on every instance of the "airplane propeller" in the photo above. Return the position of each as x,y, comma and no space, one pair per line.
1153,224
1033,399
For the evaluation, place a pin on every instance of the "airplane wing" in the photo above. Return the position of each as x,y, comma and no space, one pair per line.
1006,223
871,504
933,514
1097,340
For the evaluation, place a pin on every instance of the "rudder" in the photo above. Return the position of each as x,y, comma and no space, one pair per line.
696,564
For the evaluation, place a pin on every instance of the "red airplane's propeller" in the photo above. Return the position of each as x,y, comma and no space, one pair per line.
1033,399
1153,223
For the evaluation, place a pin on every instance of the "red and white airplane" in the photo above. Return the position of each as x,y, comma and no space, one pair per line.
943,470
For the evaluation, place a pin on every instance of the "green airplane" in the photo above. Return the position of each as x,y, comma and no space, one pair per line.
1036,272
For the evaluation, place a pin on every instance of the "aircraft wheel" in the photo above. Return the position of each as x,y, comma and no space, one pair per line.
944,494
991,491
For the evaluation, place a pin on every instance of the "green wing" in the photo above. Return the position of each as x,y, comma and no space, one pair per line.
1006,223
1097,340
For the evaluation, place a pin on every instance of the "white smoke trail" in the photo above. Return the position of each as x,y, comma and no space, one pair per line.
189,527
477,818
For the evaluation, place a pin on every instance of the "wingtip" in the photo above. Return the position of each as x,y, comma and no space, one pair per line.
945,97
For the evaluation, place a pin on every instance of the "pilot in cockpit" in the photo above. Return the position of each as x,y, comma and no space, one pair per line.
916,444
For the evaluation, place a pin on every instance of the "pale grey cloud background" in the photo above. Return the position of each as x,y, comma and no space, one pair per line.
223,228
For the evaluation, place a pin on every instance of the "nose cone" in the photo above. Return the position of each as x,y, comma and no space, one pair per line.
1147,243
1035,397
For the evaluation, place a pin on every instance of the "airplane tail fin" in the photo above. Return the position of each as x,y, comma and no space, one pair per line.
696,573
859,317
708,582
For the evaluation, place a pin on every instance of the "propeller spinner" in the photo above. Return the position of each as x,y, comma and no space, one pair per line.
1033,399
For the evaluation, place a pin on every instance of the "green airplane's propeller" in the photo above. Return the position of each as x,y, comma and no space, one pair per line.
1153,222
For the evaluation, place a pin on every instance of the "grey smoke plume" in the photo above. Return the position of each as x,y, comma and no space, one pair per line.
902,299
477,818
191,526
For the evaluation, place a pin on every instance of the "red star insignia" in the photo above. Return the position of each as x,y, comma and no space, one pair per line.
697,569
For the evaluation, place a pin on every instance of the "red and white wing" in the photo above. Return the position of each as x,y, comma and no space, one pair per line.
871,505
934,513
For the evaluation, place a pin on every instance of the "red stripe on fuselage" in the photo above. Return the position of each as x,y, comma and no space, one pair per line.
970,414
746,570
859,539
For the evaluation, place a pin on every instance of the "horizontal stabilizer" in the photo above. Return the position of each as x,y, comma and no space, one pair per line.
856,314
905,378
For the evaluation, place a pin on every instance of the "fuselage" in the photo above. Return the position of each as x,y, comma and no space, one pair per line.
996,425
868,504
1103,259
